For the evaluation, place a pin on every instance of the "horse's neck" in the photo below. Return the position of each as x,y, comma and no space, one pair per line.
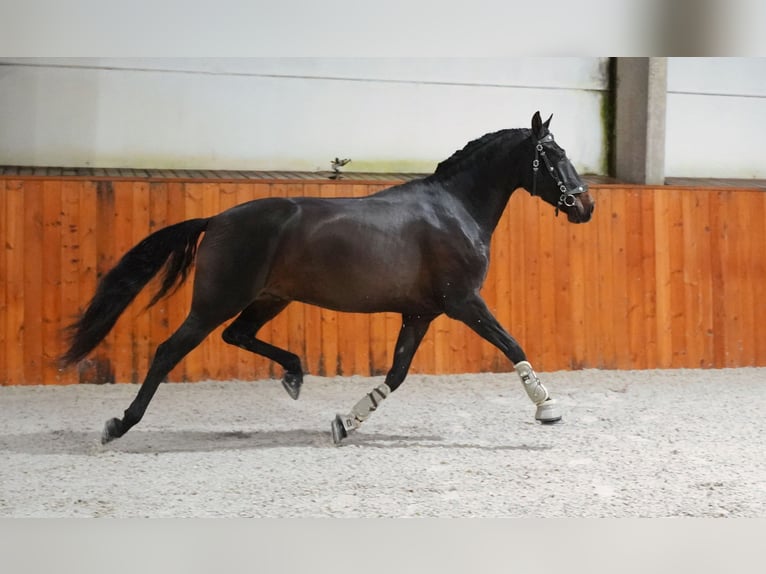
483,195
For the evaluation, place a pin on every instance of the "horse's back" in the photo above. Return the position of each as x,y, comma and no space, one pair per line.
386,252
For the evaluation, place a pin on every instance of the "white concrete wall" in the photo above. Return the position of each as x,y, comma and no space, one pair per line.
716,117
389,114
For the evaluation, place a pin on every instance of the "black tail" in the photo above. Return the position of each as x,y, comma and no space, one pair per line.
172,247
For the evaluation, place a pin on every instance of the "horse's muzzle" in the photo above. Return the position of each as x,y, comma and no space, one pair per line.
582,210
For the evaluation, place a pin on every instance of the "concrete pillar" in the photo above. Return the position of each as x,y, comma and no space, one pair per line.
639,145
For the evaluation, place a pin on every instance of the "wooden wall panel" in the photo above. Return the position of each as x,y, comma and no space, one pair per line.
4,307
14,281
758,207
32,335
662,277
51,281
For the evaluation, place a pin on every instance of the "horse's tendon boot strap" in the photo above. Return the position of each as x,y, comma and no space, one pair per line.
535,390
366,406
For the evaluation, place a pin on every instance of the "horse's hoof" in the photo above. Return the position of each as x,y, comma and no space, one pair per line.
548,412
110,431
292,383
338,430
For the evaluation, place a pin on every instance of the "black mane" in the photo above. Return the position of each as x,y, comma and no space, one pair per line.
476,146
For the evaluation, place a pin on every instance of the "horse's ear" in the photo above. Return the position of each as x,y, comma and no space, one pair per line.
537,125
548,122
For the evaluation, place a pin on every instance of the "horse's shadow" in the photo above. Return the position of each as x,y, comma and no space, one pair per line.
163,441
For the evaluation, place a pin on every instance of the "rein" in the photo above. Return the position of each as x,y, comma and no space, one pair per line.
567,197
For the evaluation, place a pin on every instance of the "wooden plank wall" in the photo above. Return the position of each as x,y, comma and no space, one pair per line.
661,278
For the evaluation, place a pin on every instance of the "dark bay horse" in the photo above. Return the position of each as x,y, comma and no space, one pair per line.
420,249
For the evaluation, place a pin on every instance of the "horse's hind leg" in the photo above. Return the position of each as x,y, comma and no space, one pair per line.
243,330
168,354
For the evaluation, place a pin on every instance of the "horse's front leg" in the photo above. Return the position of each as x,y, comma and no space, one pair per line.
548,410
413,330
474,313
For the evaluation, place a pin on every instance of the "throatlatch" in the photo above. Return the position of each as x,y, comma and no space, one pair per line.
360,412
547,409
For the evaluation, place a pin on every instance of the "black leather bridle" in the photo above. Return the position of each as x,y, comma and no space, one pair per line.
567,197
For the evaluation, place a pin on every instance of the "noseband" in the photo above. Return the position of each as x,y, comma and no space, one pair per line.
567,197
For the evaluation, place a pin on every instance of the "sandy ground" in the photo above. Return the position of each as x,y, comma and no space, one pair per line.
632,444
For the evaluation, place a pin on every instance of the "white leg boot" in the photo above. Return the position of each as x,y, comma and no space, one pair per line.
547,409
344,424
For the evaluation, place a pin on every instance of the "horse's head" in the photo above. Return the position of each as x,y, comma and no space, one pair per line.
553,177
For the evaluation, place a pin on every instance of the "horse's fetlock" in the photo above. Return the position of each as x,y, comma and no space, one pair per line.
536,392
131,418
294,367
